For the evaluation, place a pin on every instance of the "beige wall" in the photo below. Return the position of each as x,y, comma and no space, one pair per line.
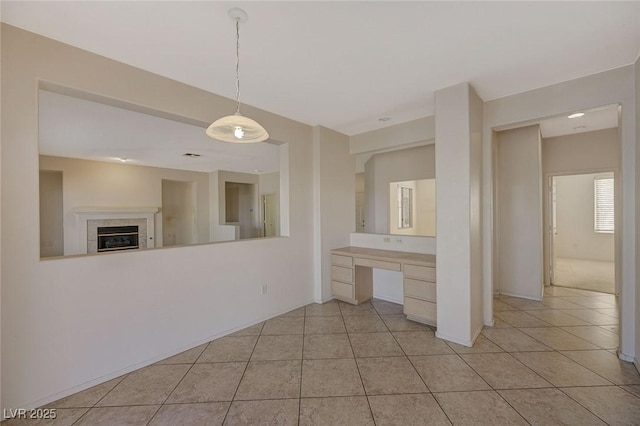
403,135
519,213
51,214
100,184
575,237
334,195
459,113
636,68
588,151
606,88
165,300
395,166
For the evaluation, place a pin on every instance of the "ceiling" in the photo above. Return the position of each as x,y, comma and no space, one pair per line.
593,119
76,128
344,65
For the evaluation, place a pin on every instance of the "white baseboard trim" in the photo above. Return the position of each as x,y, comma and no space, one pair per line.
84,386
387,299
490,323
328,299
467,343
462,342
537,299
627,358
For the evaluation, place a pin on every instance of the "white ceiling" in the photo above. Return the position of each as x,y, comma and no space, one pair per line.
76,128
345,64
594,119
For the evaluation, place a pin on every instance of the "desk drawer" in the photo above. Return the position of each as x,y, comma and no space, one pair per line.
420,272
339,273
342,290
420,289
339,260
370,263
420,309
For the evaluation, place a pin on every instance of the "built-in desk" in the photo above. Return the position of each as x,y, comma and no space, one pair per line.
352,278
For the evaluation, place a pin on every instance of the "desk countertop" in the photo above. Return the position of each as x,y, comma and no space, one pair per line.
386,255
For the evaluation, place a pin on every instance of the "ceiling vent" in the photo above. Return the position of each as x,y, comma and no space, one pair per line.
190,154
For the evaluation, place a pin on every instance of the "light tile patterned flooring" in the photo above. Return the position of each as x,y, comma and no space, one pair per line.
549,362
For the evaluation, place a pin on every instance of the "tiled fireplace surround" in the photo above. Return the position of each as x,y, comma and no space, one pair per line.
94,224
88,219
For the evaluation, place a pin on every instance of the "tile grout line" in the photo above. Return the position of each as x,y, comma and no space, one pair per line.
304,334
418,373
233,398
355,360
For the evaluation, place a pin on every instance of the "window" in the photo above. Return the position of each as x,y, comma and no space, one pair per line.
603,208
405,201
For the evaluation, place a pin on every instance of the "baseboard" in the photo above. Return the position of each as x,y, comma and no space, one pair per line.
462,342
386,299
489,323
328,299
520,296
86,385
627,358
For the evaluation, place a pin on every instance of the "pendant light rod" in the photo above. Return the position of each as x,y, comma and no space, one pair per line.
237,65
236,128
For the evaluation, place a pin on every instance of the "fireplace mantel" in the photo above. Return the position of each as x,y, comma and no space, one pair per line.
86,214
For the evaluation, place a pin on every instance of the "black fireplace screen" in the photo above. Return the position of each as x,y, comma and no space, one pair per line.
112,238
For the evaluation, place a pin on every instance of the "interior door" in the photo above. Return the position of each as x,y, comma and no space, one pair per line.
553,228
269,215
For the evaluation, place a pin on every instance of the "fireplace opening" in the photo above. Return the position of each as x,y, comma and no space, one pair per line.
113,238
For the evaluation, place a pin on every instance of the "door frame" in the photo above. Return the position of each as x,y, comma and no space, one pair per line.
548,215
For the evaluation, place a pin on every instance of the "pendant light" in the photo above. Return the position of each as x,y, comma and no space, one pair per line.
237,128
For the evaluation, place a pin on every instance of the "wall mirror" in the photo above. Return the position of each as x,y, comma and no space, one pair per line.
396,192
113,179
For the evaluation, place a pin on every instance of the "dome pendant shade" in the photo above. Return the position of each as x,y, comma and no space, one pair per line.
238,129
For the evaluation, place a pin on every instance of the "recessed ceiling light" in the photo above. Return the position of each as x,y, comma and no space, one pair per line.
258,171
383,119
190,154
122,160
576,115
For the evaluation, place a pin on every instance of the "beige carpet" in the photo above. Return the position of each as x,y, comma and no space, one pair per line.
584,274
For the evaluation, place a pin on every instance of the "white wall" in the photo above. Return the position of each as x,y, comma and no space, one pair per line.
165,300
636,68
575,237
606,88
458,143
519,213
395,166
99,184
334,187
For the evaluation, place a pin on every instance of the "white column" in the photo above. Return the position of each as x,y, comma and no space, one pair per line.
459,236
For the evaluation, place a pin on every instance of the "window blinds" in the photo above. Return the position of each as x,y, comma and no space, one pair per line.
603,211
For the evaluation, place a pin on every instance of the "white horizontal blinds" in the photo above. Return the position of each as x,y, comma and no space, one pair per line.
604,210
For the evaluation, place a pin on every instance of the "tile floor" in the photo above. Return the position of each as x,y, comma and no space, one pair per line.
549,362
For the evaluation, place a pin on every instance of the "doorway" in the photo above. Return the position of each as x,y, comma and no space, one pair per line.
269,215
582,234
241,208
178,213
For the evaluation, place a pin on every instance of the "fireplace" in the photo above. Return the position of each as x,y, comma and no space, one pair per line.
114,238
89,219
